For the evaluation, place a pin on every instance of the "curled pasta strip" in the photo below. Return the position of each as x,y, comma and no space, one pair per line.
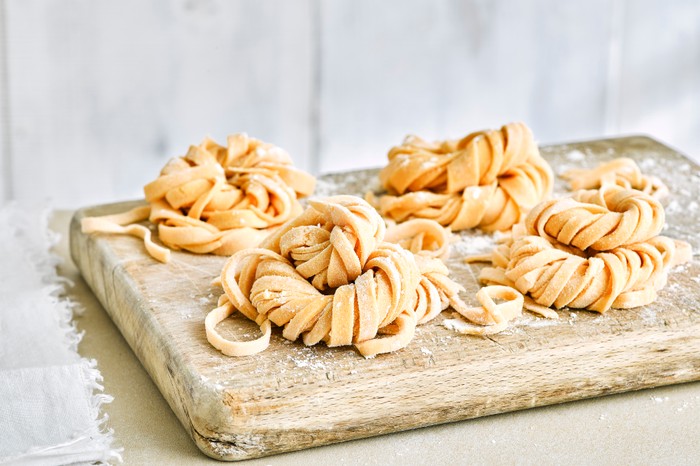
421,236
492,317
219,199
127,223
622,172
599,219
488,179
618,270
329,275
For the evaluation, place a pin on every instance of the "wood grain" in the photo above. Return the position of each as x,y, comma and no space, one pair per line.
100,94
5,156
655,55
104,93
444,68
291,397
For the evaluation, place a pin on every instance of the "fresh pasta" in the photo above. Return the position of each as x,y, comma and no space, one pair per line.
421,236
488,179
597,250
330,275
622,172
216,199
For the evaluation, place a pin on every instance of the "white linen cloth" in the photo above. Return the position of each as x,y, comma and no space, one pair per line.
50,397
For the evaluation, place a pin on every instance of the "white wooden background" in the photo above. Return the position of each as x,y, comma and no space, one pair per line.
96,95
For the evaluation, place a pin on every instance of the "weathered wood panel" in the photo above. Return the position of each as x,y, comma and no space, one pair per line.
443,68
5,160
291,397
104,92
660,72
101,93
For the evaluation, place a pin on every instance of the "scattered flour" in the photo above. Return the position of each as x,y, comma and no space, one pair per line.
472,245
648,316
457,325
575,156
673,207
324,188
529,320
310,362
574,159
647,164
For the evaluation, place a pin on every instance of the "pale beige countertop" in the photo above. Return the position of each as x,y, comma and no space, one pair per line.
656,426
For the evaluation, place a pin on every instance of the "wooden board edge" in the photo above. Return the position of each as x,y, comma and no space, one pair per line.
667,371
248,445
244,447
168,379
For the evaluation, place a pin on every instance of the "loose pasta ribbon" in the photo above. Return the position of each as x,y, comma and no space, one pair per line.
622,172
421,236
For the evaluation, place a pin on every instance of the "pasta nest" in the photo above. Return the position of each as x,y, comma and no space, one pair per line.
329,275
596,250
216,199
488,179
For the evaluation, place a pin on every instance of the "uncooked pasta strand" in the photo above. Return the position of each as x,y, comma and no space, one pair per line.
234,348
114,224
622,172
491,317
421,236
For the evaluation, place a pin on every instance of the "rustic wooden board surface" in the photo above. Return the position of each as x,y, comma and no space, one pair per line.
291,397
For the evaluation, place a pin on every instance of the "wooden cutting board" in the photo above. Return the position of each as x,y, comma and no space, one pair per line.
291,397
